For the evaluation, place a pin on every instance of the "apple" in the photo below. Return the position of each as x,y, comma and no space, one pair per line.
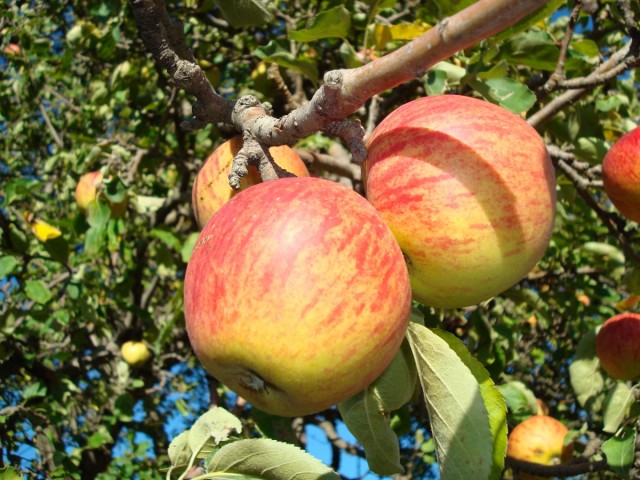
468,189
618,346
135,353
211,188
621,174
539,439
12,49
89,188
296,295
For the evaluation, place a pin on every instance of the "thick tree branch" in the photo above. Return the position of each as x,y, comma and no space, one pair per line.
343,91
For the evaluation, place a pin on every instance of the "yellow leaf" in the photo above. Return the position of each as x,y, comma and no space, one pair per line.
628,303
384,34
42,230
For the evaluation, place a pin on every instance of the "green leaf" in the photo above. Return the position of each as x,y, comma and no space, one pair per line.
18,239
38,291
187,247
493,400
244,13
458,411
632,278
586,48
332,23
10,473
506,92
520,400
367,414
213,427
453,72
274,426
435,82
7,264
58,248
100,438
168,238
95,239
608,252
620,451
179,451
114,189
35,390
616,406
273,53
591,149
18,189
349,55
532,48
530,19
269,460
147,204
98,213
586,376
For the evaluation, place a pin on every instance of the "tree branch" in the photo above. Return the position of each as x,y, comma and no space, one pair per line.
563,470
561,101
343,91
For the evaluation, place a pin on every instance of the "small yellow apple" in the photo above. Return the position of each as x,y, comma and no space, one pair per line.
135,353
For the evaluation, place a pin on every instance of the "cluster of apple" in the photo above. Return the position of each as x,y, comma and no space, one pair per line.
89,189
298,291
543,439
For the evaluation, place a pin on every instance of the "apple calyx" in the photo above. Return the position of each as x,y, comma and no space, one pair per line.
252,381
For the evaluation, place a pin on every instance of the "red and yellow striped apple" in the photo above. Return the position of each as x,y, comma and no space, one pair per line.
297,295
539,439
88,189
618,346
211,188
621,174
468,189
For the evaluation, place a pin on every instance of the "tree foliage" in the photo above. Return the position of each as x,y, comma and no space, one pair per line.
81,92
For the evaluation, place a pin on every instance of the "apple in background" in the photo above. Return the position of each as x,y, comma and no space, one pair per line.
468,189
135,353
618,346
89,187
621,174
539,439
211,188
12,49
297,306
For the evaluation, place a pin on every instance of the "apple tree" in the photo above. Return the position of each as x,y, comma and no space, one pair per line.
109,109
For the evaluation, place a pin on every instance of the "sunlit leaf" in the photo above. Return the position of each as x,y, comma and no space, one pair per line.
38,291
616,406
244,13
269,460
459,417
331,23
383,34
620,451
585,373
367,414
507,93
